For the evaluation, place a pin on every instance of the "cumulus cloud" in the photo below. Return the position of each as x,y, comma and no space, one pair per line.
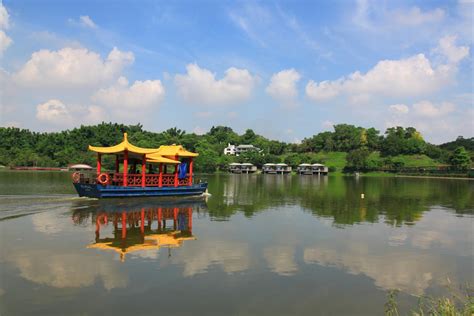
5,42
428,109
87,21
72,67
323,90
282,86
56,113
200,86
140,95
412,76
4,17
415,16
399,109
447,47
281,259
437,121
53,111
67,270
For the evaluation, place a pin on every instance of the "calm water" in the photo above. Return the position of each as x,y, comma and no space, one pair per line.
261,244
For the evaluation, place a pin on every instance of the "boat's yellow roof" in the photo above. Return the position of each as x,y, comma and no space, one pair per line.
161,159
172,151
155,241
120,148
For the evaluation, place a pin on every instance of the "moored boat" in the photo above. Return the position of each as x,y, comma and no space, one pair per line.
144,173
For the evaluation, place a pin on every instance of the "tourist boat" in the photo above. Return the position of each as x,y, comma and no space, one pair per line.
133,183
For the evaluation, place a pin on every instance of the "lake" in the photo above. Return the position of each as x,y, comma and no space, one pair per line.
260,245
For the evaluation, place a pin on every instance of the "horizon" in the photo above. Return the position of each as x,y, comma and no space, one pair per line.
286,70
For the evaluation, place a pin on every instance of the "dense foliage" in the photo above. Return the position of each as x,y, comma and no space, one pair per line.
357,148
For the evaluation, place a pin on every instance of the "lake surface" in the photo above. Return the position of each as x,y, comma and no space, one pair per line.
260,245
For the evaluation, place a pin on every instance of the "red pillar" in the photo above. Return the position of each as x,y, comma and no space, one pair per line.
190,220
191,171
176,173
97,228
99,163
124,225
160,217
143,171
175,218
160,177
125,167
142,221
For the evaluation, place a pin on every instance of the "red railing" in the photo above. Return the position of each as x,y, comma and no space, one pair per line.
151,180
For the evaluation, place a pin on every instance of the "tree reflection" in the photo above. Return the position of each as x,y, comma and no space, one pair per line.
395,201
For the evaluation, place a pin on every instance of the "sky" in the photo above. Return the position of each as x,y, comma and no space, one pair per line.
286,69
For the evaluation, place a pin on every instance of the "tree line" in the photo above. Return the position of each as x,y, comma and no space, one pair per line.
22,147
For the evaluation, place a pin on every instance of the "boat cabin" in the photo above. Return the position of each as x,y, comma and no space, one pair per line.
166,166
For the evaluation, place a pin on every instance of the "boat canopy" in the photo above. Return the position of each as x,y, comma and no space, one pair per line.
304,165
317,165
172,151
269,164
282,164
160,159
122,147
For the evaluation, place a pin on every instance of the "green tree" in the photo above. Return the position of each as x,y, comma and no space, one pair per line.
460,158
358,159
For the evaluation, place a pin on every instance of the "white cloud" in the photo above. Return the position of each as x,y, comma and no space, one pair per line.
5,42
199,86
4,17
428,109
140,95
53,111
56,113
438,122
87,21
447,47
415,16
281,259
328,125
67,270
412,76
399,109
322,91
72,67
125,100
282,86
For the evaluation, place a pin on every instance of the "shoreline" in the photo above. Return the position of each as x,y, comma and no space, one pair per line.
333,174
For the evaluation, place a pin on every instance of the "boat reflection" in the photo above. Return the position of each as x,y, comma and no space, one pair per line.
140,227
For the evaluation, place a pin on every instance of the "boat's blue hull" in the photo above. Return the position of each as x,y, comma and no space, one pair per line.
112,191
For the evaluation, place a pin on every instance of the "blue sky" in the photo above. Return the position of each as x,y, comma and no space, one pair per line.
287,69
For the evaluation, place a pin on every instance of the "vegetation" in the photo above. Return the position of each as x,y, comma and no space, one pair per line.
349,148
455,305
